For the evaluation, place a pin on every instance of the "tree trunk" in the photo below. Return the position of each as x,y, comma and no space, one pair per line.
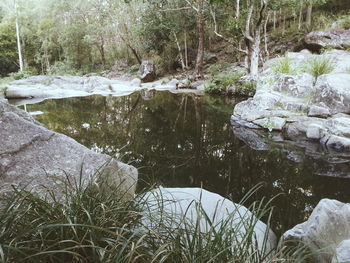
300,16
200,28
237,9
180,52
21,66
309,15
254,55
186,52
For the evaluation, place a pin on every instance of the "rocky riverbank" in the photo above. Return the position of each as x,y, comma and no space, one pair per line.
295,100
36,158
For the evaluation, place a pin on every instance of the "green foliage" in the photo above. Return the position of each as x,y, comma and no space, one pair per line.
63,68
284,66
87,224
23,74
217,68
220,82
8,51
319,66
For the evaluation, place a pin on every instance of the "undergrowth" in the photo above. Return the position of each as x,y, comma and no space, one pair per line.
85,225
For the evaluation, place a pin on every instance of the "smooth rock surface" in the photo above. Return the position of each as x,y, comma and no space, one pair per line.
326,228
342,252
333,90
177,207
34,157
332,38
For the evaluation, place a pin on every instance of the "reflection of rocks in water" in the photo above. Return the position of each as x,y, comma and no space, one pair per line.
147,94
323,161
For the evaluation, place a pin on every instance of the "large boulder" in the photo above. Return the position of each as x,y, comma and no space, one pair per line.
298,86
325,230
34,157
331,38
67,86
180,208
333,91
147,71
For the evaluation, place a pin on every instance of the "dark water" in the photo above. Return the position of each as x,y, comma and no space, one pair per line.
185,140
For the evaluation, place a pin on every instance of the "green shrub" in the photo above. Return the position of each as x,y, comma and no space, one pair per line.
284,66
29,71
319,66
221,82
217,67
63,68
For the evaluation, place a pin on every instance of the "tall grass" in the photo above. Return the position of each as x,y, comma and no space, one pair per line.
88,226
283,65
319,66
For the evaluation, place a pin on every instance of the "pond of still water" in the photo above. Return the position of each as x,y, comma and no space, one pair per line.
185,140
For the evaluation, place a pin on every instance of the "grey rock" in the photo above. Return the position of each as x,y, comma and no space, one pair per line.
326,228
338,143
342,254
333,90
273,123
316,111
147,71
251,138
339,125
297,86
315,131
33,157
136,82
173,83
331,38
177,209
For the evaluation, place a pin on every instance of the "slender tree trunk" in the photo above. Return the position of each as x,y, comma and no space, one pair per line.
21,65
300,16
180,52
200,28
274,20
237,9
254,55
265,35
309,15
186,52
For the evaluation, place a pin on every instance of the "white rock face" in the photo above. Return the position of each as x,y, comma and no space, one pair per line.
297,86
333,90
326,228
342,252
182,205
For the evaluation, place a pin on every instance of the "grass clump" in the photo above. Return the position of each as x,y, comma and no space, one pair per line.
283,65
230,83
86,225
319,66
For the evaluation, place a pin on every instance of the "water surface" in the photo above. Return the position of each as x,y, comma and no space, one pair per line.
184,140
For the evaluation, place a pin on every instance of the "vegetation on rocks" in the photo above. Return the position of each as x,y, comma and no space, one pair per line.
87,225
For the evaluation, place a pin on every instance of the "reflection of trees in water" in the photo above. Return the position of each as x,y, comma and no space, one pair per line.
185,140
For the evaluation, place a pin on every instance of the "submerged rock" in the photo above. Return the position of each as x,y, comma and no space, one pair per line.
325,230
177,208
35,158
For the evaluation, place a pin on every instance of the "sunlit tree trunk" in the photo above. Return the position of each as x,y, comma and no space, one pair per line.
20,58
237,9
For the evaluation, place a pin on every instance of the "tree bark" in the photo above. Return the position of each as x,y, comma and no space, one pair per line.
180,52
309,15
200,28
254,55
20,58
237,9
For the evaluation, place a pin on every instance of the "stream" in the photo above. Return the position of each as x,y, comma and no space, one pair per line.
185,140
